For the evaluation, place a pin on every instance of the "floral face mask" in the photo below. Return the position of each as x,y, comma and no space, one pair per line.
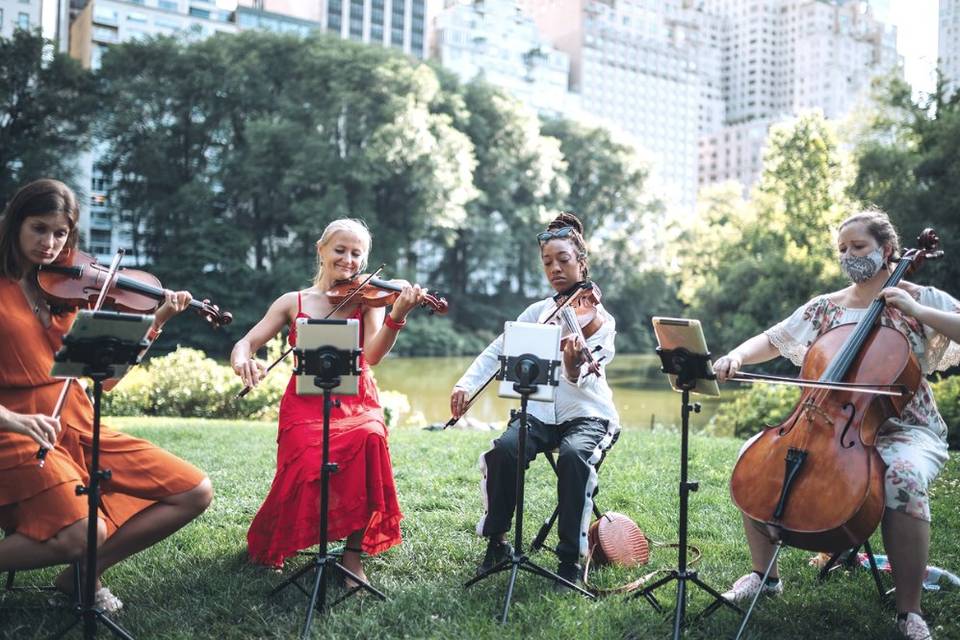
862,268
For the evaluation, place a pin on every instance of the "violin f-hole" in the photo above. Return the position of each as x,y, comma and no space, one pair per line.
846,427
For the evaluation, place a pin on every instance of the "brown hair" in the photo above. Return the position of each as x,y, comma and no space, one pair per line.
567,219
879,226
39,198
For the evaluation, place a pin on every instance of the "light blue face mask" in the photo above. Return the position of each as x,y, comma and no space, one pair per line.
862,268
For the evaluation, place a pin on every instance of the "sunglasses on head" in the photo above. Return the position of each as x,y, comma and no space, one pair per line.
562,232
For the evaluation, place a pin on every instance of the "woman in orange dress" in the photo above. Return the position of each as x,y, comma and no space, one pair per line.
363,505
151,493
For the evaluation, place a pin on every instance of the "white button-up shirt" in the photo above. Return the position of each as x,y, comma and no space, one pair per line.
587,397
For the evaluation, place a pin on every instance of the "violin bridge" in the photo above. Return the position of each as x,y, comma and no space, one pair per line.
794,459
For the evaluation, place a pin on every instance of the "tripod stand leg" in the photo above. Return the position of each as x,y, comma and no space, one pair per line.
114,628
681,607
317,598
506,602
753,603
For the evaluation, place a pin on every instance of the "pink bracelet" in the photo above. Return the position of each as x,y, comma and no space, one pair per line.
393,324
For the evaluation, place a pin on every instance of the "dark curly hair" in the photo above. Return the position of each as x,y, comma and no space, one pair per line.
567,219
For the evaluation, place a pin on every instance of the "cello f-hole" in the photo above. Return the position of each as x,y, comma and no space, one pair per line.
846,427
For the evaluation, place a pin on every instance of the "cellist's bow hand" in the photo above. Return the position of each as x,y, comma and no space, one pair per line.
251,371
727,366
458,402
899,299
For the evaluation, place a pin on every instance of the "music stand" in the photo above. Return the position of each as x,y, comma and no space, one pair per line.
101,345
526,375
685,359
320,355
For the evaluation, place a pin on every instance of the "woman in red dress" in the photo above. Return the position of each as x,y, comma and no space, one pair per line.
151,492
363,504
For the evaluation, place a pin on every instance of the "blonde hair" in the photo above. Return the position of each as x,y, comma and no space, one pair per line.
878,225
351,225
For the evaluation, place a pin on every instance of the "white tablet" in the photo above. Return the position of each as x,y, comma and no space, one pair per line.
540,340
343,335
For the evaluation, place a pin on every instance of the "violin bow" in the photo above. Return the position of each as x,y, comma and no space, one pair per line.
62,398
289,350
581,288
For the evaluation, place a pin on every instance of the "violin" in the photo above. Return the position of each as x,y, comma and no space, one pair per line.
370,291
374,292
78,281
582,300
816,479
580,319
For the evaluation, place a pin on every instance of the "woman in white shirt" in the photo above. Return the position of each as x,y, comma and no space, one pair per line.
582,422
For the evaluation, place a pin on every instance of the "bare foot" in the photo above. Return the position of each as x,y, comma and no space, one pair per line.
351,561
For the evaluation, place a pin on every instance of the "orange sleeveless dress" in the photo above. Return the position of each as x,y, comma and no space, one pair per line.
362,492
39,502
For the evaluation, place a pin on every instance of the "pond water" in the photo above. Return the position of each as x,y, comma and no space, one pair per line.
640,391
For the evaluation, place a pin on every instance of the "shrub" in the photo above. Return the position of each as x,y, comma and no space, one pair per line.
186,383
436,336
946,391
761,405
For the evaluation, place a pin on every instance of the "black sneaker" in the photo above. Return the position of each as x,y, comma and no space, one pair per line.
497,551
569,571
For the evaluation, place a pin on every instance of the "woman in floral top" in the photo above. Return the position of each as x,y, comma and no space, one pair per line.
913,446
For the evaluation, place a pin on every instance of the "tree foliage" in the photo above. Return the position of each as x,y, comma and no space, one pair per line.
47,105
908,164
746,265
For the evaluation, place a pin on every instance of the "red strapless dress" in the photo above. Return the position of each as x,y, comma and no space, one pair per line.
362,492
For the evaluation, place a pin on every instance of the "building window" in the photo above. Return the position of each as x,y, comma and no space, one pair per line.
168,5
197,12
137,17
23,20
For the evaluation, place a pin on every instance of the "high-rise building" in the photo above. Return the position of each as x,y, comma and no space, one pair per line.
785,56
949,43
400,24
649,69
496,40
19,14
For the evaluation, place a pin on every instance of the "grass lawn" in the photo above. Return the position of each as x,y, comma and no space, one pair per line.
198,584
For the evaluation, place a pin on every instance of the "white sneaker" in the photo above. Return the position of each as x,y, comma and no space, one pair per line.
914,628
747,587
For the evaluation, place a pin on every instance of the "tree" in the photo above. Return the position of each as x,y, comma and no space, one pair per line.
47,105
745,266
230,169
908,164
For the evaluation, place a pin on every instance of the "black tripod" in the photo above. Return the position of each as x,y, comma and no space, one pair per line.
327,364
100,356
688,367
526,372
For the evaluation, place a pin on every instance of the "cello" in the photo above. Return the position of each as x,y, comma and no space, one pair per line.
816,480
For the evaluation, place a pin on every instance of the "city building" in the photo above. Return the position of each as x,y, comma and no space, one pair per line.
949,43
650,70
400,24
496,40
782,57
19,14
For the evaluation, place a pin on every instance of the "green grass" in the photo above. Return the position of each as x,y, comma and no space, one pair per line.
197,584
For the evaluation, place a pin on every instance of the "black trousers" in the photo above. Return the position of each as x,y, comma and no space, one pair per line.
581,443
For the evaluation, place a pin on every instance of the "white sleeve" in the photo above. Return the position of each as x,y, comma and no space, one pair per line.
487,363
604,339
794,335
940,352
